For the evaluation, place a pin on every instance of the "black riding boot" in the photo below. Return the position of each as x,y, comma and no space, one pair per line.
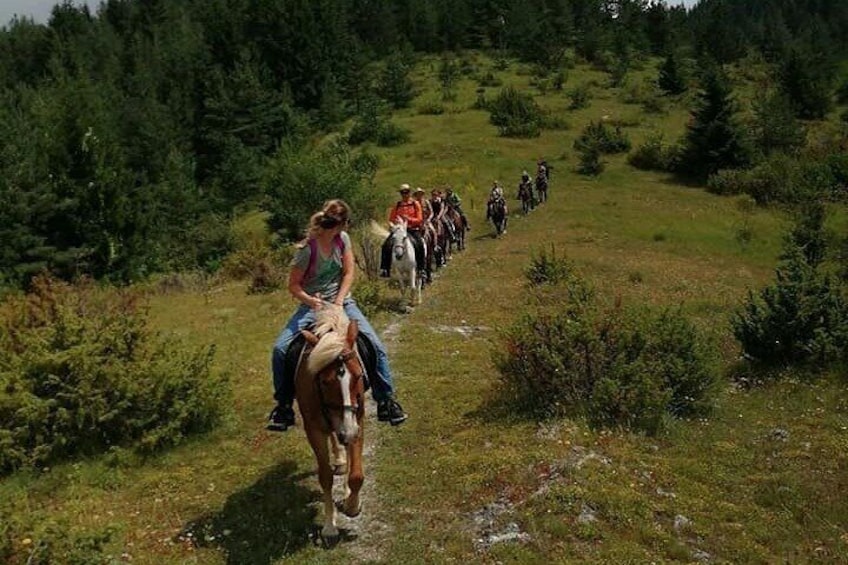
281,417
386,258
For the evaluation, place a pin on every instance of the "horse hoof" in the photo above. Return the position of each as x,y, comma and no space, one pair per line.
330,535
342,507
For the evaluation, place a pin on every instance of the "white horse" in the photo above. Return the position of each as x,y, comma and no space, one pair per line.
404,267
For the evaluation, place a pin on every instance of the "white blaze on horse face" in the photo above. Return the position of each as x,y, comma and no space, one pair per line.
349,428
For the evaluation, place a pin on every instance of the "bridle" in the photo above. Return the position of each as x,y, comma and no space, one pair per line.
400,246
341,368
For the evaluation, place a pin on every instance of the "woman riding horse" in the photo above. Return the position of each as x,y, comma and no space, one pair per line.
323,269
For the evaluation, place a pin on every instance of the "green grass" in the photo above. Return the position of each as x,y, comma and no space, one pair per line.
748,492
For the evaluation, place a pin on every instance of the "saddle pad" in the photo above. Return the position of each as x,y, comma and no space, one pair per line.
366,350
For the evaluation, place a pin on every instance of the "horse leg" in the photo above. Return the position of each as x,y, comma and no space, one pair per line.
320,446
339,456
352,506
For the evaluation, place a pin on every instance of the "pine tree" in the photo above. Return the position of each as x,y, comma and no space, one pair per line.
671,78
395,85
775,128
714,140
807,80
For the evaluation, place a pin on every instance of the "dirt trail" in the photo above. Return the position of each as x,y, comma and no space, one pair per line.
364,533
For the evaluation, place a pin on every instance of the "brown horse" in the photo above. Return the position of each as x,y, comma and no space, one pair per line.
330,390
459,225
428,234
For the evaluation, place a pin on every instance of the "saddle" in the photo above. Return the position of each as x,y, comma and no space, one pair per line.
367,356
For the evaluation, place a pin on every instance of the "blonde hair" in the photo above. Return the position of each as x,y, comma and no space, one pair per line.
331,325
335,209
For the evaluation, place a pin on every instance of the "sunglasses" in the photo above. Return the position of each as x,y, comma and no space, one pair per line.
328,222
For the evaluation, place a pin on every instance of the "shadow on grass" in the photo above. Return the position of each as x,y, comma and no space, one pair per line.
262,523
500,408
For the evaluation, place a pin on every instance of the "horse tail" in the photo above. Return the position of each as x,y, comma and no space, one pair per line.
378,230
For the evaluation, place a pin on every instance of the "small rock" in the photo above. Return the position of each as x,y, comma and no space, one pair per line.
702,556
681,521
587,515
779,434
665,493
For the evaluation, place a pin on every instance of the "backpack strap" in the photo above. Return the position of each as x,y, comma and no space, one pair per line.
313,255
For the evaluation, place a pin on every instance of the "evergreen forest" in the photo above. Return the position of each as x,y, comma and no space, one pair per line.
134,134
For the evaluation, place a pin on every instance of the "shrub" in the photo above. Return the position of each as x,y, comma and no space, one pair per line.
729,182
266,276
515,114
606,140
369,296
653,155
299,180
580,97
558,82
653,105
781,179
554,122
548,269
431,108
801,318
80,373
372,125
245,262
489,79
480,103
612,366
590,162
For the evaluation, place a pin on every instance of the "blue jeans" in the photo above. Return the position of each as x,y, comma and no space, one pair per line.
381,383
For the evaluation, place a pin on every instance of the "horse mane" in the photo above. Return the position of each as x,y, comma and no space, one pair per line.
331,325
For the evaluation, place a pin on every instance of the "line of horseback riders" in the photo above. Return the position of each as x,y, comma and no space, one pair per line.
533,193
436,226
530,193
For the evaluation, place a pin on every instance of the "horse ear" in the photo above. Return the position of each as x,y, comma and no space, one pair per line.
310,337
352,331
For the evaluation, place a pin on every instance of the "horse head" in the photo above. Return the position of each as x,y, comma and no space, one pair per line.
337,372
400,238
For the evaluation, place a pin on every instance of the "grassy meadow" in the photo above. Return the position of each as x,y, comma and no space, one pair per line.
760,481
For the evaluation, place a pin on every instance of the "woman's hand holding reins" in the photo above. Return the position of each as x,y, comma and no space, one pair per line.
316,302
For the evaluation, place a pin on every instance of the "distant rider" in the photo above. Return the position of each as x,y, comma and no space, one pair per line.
455,202
496,196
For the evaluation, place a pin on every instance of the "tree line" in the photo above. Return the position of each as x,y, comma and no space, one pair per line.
131,135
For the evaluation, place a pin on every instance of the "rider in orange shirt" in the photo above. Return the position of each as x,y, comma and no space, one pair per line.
410,210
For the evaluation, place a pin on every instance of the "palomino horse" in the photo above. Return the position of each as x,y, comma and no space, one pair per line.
542,186
497,212
404,267
330,389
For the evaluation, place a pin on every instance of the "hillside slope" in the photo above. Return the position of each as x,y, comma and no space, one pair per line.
461,482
